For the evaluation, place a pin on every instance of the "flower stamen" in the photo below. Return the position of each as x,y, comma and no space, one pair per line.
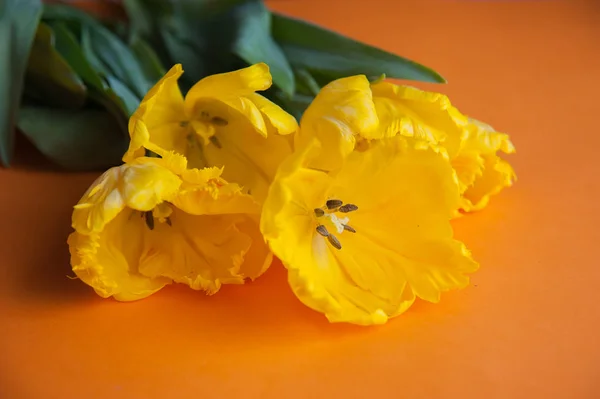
339,224
322,230
334,241
149,219
348,208
349,228
215,120
215,141
333,204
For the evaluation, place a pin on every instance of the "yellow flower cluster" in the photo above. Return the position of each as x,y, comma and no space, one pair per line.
356,200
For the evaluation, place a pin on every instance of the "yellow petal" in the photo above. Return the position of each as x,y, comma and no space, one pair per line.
497,174
202,252
228,85
247,158
145,184
140,185
416,113
259,257
276,119
205,192
160,119
100,203
342,110
108,260
403,246
480,171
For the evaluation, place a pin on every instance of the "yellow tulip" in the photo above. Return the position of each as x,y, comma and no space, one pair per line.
349,113
151,222
221,122
362,242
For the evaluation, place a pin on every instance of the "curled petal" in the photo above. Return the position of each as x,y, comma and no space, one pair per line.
342,111
276,119
145,184
228,85
202,252
497,174
205,192
160,120
420,114
100,203
107,261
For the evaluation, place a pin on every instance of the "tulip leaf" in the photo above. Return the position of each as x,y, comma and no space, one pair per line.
86,139
18,24
69,48
317,49
105,51
306,83
119,60
148,59
130,100
49,78
113,89
99,90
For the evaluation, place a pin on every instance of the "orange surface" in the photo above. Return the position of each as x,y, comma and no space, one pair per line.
526,328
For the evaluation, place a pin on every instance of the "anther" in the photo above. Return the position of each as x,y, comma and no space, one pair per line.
349,228
333,203
348,208
322,230
215,120
168,219
215,141
184,123
149,220
334,241
319,212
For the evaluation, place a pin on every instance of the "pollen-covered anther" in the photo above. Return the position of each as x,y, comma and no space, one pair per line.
333,204
349,228
149,220
216,120
215,141
334,241
322,230
348,208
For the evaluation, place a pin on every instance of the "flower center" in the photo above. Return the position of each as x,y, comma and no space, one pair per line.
161,212
205,127
328,220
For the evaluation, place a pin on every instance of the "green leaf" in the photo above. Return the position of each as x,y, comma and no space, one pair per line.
317,49
69,48
140,19
18,24
79,140
148,59
100,91
306,83
105,51
119,60
114,90
254,44
49,78
130,100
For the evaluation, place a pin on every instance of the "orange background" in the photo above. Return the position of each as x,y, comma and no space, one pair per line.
526,328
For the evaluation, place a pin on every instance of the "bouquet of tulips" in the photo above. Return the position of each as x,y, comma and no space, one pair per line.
355,200
354,192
